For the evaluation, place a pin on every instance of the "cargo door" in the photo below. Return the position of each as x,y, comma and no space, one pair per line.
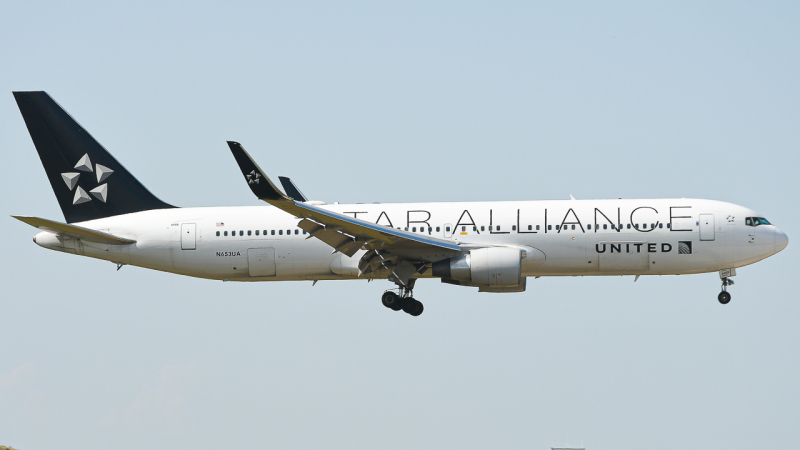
623,257
706,227
261,262
188,236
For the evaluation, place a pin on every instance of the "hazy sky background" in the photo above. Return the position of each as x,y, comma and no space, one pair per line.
409,101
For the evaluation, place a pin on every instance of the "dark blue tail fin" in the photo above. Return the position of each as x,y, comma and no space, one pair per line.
88,182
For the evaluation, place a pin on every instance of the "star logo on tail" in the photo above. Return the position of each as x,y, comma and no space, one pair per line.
85,165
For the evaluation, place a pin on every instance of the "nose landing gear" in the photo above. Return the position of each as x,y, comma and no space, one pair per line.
724,297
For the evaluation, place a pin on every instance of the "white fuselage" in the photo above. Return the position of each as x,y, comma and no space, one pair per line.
573,237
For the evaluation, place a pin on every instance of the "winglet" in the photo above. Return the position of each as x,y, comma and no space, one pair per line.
261,186
291,189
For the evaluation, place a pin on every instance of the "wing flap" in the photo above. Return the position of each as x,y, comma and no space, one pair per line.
74,231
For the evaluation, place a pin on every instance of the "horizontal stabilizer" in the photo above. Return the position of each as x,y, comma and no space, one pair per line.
74,231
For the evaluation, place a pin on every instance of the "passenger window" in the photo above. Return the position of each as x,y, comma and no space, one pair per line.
272,232
448,228
474,228
265,232
437,229
280,232
513,228
589,227
573,227
296,231
217,233
669,225
661,225
549,227
463,228
530,227
414,229
629,226
249,232
558,227
636,225
605,226
304,231
288,231
256,232
537,227
483,228
498,228
430,229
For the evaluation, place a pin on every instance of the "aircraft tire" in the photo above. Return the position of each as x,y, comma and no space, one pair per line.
391,300
413,307
724,297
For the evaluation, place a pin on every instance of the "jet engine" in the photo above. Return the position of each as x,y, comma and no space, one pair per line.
492,267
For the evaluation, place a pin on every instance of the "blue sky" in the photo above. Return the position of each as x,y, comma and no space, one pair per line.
411,101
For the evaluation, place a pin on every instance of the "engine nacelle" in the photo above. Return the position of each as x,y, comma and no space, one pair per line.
491,267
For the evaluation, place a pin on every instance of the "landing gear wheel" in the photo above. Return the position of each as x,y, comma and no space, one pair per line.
392,300
413,307
724,297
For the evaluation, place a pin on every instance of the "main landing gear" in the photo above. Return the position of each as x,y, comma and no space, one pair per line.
403,301
724,297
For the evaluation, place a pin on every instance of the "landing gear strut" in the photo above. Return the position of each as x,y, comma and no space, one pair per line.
402,300
724,297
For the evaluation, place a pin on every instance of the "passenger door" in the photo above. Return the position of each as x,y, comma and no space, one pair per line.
707,227
188,236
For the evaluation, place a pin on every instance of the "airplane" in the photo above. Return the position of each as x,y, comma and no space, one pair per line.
493,246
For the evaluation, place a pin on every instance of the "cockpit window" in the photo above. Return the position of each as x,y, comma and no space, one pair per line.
755,221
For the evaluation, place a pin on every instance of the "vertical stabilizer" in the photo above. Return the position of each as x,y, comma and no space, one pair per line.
88,182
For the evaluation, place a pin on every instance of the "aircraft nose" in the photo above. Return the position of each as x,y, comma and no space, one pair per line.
781,240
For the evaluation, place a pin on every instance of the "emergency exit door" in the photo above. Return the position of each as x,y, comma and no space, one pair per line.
706,227
188,236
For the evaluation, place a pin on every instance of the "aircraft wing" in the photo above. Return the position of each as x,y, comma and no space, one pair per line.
74,231
344,233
